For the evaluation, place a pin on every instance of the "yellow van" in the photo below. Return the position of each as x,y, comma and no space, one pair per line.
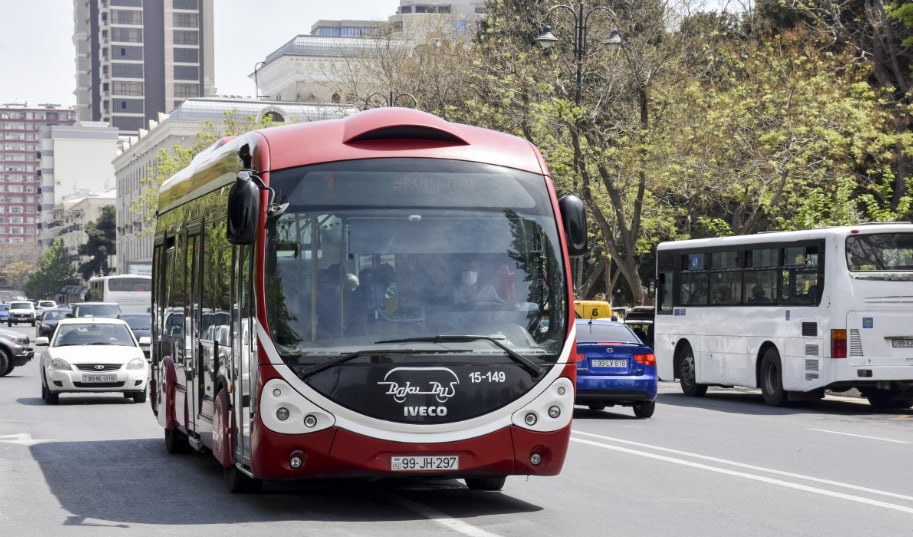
593,309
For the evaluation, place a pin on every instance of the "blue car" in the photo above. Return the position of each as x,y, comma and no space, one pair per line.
4,312
614,367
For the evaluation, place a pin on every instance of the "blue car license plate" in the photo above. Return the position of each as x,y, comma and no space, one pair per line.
609,363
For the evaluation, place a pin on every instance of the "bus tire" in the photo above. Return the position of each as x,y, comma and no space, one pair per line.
237,482
889,399
176,441
772,379
687,373
493,483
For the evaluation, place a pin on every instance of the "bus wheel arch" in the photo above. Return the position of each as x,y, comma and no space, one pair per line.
685,369
770,376
222,437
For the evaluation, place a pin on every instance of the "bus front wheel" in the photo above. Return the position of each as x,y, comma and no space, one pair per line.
687,374
237,482
485,483
772,379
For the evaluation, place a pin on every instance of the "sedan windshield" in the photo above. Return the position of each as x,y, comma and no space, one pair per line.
412,249
93,334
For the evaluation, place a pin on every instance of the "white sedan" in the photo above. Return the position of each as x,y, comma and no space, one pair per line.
92,355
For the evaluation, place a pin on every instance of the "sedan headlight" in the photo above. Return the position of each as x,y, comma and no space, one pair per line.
60,364
137,363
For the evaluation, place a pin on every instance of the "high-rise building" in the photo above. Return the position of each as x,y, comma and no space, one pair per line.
136,59
20,168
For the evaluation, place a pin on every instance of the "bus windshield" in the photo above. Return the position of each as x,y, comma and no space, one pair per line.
880,256
391,249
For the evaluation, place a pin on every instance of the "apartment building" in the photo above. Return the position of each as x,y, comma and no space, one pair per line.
20,168
136,59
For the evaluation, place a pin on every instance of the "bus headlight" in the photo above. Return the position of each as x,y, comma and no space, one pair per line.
554,412
530,418
282,413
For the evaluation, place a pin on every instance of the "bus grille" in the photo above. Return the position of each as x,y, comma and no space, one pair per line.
811,349
810,329
811,365
854,345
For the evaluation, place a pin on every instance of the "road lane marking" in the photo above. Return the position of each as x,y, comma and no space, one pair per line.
24,439
860,436
753,477
438,517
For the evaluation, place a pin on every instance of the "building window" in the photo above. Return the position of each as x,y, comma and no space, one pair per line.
186,55
186,20
124,16
186,37
127,35
185,91
186,72
134,89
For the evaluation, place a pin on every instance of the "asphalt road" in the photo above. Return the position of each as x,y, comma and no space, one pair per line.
721,465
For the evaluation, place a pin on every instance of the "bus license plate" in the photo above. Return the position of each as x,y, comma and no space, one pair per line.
429,463
99,378
609,363
902,342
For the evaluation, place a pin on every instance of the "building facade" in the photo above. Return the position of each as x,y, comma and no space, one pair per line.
136,59
136,165
75,162
20,168
312,68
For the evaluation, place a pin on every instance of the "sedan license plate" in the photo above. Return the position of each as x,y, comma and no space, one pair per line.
99,378
609,363
902,342
428,463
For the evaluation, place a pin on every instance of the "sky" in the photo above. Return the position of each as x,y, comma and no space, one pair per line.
38,58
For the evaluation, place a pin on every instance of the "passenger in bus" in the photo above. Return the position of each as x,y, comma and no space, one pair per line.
505,284
758,296
472,289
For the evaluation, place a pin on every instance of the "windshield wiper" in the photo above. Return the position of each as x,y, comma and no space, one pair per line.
530,366
314,369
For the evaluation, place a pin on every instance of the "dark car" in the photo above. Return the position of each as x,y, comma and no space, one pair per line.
640,319
141,326
614,367
96,309
15,350
47,321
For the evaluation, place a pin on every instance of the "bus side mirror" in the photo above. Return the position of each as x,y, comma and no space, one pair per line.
243,210
573,216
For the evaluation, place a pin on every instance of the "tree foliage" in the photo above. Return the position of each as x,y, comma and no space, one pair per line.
170,162
54,272
101,243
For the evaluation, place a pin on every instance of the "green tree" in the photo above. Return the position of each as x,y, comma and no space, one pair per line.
786,137
100,245
54,272
170,162
17,273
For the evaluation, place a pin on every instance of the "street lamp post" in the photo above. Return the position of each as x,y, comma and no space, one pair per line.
257,67
581,17
389,99
546,39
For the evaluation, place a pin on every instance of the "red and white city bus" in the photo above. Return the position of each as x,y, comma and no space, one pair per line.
381,295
